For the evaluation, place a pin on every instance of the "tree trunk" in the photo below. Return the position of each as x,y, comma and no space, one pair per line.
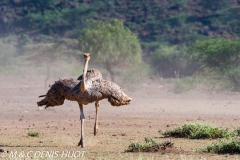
42,9
47,76
236,84
156,70
109,69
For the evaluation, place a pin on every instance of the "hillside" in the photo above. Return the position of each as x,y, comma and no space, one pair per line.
171,21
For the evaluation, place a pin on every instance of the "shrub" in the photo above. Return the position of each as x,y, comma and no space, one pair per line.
199,131
150,145
168,59
33,133
221,56
114,45
238,131
224,146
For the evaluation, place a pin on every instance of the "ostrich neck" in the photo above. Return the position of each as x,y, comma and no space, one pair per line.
83,87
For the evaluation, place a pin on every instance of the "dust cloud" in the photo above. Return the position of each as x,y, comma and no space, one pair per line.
154,107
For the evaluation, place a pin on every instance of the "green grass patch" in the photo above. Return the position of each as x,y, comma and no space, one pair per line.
229,146
33,133
238,131
199,131
150,145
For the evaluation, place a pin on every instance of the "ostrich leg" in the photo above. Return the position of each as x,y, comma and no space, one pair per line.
81,142
96,118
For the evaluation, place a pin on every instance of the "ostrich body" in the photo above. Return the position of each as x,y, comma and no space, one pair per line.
88,88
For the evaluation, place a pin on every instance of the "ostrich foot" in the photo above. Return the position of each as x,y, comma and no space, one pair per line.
80,143
95,131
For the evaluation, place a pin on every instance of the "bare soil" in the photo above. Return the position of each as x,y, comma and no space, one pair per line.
153,108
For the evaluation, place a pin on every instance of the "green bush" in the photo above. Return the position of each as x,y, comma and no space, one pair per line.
221,56
238,131
33,133
227,17
169,59
150,145
177,20
199,131
230,146
76,17
114,45
39,21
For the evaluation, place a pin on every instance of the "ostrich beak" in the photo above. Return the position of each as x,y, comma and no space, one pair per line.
127,100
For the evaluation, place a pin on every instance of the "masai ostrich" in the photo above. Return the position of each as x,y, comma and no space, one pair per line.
88,88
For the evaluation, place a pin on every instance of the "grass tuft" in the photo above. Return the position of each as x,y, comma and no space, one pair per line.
199,131
150,145
230,146
33,133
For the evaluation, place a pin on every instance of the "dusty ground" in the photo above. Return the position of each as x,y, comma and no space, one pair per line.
153,108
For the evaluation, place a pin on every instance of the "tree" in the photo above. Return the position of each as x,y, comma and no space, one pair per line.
41,5
171,61
222,56
215,4
111,44
45,54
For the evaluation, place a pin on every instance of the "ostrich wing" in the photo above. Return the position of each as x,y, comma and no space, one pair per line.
92,75
69,89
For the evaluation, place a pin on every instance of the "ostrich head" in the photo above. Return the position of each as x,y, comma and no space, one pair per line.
87,56
119,98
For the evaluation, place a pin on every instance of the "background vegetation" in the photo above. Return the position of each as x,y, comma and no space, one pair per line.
199,131
111,44
164,39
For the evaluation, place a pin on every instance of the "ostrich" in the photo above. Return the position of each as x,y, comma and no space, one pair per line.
88,88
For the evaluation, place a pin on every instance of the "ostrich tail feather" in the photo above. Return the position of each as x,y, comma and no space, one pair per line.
54,96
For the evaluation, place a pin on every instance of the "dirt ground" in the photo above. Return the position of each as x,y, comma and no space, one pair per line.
153,108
